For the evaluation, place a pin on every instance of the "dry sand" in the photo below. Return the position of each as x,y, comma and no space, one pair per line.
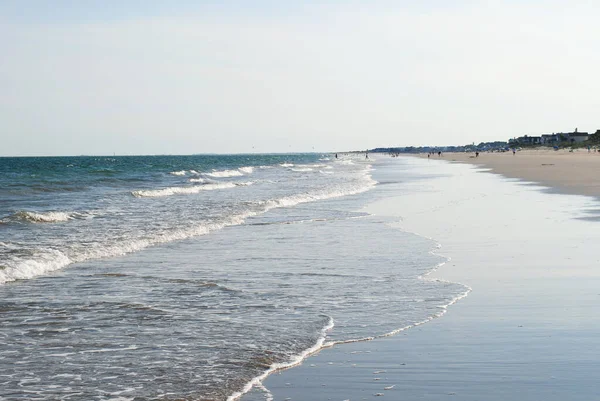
575,172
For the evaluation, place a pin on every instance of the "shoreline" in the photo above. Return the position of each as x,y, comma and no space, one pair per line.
495,340
256,385
255,388
573,173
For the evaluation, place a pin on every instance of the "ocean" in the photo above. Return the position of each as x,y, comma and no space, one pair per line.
193,277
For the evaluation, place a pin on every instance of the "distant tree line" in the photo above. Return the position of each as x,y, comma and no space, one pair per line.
592,140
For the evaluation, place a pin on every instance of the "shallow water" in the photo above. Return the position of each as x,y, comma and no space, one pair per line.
198,318
60,210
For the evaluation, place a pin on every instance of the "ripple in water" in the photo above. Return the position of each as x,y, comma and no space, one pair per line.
200,319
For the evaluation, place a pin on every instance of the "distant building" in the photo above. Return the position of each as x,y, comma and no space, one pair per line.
564,138
529,140
550,139
489,146
577,137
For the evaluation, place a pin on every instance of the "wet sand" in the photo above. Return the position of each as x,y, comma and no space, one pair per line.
527,331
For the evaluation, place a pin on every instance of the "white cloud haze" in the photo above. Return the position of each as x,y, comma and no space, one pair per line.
342,76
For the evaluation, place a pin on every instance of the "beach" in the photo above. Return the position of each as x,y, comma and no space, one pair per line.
527,330
573,172
301,277
194,277
234,201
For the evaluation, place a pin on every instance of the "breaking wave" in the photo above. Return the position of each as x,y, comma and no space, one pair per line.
230,173
225,174
199,180
184,172
45,217
153,193
45,260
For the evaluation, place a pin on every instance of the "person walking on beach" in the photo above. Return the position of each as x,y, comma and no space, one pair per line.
514,151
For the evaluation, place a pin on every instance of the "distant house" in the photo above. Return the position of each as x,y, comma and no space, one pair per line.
564,138
529,140
550,139
577,137
487,146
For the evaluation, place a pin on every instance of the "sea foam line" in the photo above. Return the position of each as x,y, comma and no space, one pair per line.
154,193
216,173
52,259
45,217
321,344
424,276
294,361
297,199
231,173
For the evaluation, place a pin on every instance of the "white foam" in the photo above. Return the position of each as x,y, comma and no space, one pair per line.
302,169
153,193
294,361
286,165
49,260
293,200
225,174
182,172
321,344
231,173
50,217
46,261
46,217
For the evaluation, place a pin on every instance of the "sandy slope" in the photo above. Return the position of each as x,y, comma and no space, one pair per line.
575,172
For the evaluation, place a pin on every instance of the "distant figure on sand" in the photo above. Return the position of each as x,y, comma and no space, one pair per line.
336,155
514,151
476,154
439,154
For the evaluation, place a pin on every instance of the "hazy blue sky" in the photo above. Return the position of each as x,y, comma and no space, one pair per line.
180,77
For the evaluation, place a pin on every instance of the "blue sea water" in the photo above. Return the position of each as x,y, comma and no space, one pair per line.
186,277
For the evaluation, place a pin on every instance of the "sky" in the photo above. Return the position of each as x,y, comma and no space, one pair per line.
184,77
